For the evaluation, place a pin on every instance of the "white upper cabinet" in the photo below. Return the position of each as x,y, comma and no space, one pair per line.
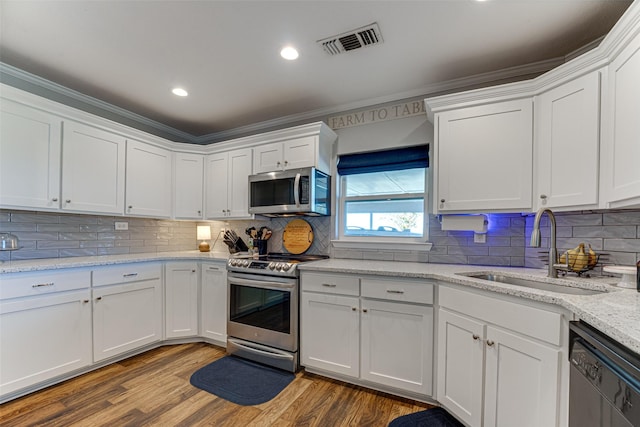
621,130
298,147
30,143
188,195
291,154
93,169
227,184
148,180
484,158
568,145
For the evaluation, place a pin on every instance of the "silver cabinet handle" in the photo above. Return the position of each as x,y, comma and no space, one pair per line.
214,268
490,343
394,291
476,337
43,285
130,275
329,285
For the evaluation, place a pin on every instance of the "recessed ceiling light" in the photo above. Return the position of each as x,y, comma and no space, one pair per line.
179,91
289,53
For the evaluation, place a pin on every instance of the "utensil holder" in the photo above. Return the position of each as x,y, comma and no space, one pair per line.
261,245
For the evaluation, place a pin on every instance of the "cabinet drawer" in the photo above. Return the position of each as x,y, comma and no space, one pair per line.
126,273
331,283
525,319
398,290
15,285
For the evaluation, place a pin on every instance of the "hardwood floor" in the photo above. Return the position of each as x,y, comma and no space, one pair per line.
153,389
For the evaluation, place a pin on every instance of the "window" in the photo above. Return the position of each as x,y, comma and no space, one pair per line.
382,195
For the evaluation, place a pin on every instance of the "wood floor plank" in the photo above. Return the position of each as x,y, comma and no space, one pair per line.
153,389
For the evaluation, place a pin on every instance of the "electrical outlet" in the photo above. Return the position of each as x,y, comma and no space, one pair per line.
122,226
479,238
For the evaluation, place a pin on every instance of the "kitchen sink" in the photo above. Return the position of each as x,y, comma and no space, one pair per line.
543,286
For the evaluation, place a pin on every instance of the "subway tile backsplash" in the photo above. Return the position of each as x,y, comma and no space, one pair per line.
615,234
58,235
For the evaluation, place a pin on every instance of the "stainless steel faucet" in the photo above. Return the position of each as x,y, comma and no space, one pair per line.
535,239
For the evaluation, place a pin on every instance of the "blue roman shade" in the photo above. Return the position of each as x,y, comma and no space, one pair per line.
383,161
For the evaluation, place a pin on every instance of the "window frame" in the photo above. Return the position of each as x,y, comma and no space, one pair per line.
380,242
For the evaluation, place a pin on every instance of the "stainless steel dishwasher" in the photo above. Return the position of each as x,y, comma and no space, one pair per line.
604,388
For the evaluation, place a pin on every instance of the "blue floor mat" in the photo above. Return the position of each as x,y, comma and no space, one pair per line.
434,417
241,381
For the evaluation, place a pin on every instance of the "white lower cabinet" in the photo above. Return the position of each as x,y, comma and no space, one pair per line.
492,371
378,330
127,308
213,302
45,327
330,333
181,299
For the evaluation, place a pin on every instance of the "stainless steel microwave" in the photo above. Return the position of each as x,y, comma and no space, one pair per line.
292,192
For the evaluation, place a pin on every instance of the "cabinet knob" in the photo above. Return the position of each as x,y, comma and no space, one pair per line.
476,337
286,162
85,301
490,343
199,212
130,207
193,271
442,200
68,201
55,199
278,164
543,196
353,308
99,299
365,310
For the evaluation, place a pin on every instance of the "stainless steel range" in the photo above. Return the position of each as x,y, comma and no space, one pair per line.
263,308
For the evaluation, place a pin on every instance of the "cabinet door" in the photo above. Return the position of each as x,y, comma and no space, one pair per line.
460,366
93,163
267,158
239,171
300,152
568,144
148,180
188,186
397,345
484,158
621,138
521,381
217,173
126,317
181,299
330,333
213,303
43,337
29,157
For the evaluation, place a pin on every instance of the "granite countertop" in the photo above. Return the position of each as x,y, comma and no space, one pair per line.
615,312
92,261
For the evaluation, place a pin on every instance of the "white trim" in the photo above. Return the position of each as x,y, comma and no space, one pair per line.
396,246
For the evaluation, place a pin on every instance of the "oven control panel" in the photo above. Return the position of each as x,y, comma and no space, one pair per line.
269,267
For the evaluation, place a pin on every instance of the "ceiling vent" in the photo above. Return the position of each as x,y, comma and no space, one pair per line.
351,40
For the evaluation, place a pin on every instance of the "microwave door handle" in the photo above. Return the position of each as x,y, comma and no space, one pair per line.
296,190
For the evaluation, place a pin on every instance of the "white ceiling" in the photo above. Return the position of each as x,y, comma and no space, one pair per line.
225,53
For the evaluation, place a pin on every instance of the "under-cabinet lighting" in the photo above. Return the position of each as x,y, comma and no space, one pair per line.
179,91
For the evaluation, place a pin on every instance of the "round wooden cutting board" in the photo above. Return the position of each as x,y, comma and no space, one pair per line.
297,236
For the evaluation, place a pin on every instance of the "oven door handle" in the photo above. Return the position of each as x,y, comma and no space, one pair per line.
273,353
261,284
